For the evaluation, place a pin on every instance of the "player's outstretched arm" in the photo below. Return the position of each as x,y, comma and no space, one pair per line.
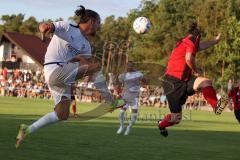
208,44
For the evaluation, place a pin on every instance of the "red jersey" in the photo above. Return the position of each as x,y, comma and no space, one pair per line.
177,66
235,95
5,73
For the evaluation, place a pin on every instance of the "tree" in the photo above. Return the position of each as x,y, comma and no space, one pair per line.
228,52
30,26
11,23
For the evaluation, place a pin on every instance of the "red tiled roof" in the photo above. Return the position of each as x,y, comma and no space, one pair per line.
32,45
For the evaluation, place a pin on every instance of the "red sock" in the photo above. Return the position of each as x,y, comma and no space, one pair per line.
74,109
166,122
210,95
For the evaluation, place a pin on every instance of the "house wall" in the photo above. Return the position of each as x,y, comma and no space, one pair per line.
5,51
21,54
12,56
1,52
27,59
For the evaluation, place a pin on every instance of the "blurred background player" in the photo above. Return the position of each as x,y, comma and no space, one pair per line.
131,83
68,59
73,101
234,99
182,79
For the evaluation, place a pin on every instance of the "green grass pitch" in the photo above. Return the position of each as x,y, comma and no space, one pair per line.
206,136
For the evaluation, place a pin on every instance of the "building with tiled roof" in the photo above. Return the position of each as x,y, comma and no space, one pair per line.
22,51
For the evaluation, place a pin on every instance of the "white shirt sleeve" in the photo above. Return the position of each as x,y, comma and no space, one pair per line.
61,29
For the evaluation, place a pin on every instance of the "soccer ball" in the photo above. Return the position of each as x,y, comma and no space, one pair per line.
141,25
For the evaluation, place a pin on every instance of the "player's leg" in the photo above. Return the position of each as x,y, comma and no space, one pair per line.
176,94
237,114
58,83
93,70
205,85
61,112
169,120
121,119
134,114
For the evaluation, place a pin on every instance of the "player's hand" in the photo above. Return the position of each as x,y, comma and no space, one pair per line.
218,38
196,74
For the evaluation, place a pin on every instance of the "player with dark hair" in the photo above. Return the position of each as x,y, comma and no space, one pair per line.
68,59
234,98
182,78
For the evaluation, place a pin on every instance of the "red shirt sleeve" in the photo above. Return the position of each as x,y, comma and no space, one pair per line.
190,48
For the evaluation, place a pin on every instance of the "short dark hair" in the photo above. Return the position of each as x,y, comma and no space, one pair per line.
194,29
86,14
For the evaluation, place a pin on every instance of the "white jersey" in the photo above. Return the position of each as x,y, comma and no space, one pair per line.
67,42
131,84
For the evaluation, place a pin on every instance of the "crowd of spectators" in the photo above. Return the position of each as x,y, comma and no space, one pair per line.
25,83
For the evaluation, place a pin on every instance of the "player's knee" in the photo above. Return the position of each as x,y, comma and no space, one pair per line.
63,117
206,82
176,118
134,111
178,121
62,108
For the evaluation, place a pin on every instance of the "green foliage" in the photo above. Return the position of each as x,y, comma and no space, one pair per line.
30,26
11,23
169,20
228,51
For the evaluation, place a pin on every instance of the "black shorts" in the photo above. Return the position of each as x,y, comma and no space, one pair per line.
73,98
237,114
177,91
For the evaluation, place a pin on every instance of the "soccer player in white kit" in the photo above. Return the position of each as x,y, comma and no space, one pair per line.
66,61
131,82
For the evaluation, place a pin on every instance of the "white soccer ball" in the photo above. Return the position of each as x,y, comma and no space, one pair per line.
141,25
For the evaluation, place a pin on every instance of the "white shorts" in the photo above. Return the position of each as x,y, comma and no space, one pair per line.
61,78
133,104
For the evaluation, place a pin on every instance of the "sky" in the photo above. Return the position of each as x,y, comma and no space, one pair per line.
53,9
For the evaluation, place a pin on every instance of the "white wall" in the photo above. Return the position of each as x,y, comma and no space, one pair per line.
6,49
27,59
1,52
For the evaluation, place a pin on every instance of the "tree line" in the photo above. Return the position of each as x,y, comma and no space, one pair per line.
169,20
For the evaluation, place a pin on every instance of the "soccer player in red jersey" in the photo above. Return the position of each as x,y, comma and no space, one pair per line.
234,95
182,78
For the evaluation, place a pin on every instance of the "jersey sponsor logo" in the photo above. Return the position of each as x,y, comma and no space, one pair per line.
72,49
83,47
72,38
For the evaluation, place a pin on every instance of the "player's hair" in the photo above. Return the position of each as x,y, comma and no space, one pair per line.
194,29
86,14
